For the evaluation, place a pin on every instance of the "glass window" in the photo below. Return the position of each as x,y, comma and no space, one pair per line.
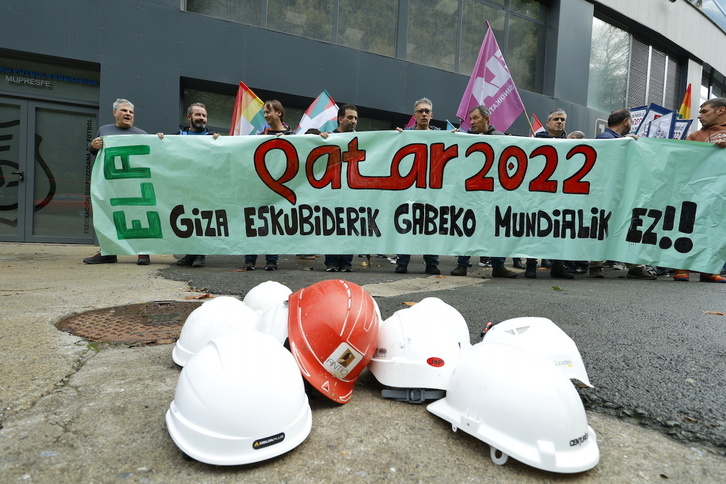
474,30
244,11
609,61
306,18
521,54
368,25
432,33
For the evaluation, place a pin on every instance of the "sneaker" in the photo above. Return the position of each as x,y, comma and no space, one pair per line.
97,258
619,266
712,278
596,272
143,260
640,272
271,265
681,275
331,269
346,269
199,261
517,263
187,260
249,265
401,269
432,270
503,272
459,271
484,262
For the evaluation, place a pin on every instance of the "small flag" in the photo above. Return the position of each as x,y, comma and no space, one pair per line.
685,111
247,116
411,123
449,126
322,114
491,85
536,126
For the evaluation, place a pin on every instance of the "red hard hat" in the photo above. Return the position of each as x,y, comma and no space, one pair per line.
333,332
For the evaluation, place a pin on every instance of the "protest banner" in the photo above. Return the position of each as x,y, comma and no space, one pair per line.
651,201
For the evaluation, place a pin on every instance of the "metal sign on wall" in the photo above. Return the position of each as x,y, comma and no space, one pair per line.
38,79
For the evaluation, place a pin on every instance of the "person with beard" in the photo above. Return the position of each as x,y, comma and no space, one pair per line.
197,116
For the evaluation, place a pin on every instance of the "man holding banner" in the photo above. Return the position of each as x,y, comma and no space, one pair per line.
347,122
423,113
479,121
712,116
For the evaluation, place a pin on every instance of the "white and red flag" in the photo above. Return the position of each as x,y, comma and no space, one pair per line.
491,85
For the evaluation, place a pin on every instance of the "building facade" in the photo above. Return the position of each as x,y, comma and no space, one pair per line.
63,64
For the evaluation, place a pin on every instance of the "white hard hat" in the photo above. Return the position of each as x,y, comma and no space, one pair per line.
521,406
418,348
543,337
216,317
274,321
239,400
265,295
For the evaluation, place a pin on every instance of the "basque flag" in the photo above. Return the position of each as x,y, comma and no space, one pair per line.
322,114
492,86
247,116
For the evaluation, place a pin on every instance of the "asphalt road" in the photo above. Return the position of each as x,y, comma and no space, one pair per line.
653,352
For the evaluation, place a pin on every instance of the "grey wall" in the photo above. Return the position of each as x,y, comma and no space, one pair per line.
144,47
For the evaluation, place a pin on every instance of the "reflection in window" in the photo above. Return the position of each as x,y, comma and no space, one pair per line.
521,54
368,25
244,11
432,33
306,18
609,59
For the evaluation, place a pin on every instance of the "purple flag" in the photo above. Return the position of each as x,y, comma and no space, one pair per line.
491,85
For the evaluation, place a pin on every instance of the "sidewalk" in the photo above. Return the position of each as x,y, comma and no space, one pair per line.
72,412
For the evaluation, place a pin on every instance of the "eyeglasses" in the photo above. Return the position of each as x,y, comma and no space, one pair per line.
423,111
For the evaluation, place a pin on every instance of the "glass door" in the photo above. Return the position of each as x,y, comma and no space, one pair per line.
46,170
13,125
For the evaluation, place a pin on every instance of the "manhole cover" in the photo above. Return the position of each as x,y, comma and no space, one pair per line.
158,322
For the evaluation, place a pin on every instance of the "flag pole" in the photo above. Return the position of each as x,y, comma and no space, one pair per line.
529,122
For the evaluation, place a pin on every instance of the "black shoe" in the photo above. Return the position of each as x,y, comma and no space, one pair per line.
271,265
531,271
346,269
199,261
559,271
331,269
432,270
517,264
250,265
503,272
459,270
97,258
143,260
187,260
546,263
401,269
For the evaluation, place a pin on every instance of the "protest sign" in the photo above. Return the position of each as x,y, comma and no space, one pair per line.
652,201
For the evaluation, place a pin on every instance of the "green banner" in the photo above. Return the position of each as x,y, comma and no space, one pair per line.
651,201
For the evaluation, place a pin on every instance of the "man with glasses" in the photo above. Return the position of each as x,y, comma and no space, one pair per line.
423,113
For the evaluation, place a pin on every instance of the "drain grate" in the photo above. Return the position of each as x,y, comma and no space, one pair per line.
158,322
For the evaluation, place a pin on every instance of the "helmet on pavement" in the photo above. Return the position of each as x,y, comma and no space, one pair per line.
418,348
333,329
543,337
216,317
274,321
521,406
265,295
239,400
